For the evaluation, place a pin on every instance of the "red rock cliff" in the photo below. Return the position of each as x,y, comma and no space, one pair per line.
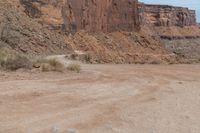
89,15
106,15
164,15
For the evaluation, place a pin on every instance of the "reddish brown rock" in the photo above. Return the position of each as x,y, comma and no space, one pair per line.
89,15
103,15
106,15
164,15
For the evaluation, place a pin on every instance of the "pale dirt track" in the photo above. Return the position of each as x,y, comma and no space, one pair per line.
102,99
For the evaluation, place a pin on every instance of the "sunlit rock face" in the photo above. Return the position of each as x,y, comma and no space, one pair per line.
105,15
89,15
164,15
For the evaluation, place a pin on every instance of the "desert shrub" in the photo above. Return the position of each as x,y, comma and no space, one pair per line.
98,61
74,67
87,58
74,56
51,65
45,67
14,62
156,62
3,54
139,62
2,57
11,60
38,59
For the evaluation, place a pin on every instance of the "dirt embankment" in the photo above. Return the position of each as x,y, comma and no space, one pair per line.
23,34
121,47
184,42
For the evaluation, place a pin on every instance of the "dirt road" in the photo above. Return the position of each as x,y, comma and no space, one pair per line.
102,99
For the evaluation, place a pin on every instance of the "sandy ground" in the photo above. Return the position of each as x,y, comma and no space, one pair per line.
102,99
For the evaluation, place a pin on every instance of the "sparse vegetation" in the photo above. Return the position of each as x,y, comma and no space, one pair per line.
74,56
74,67
156,62
87,58
15,62
148,60
139,62
12,61
51,65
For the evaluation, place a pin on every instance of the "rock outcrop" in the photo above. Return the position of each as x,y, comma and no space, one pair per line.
89,15
105,15
183,41
164,15
22,34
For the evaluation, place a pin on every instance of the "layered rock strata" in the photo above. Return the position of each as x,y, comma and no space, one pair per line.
106,15
164,15
89,15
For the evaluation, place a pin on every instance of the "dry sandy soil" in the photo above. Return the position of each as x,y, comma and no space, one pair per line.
102,99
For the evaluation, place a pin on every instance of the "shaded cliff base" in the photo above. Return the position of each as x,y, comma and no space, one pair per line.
168,45
120,47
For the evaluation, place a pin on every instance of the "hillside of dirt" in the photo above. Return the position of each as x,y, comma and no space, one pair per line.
182,41
23,34
121,47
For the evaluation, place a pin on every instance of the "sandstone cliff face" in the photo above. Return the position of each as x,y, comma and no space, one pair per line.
89,15
164,15
103,15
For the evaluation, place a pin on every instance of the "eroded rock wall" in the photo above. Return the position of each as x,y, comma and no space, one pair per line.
164,15
89,15
22,34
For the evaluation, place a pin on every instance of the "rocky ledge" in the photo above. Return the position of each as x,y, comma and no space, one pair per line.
165,15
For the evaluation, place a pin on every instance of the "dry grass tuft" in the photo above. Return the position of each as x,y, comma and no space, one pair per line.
74,67
16,62
13,61
52,65
156,62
